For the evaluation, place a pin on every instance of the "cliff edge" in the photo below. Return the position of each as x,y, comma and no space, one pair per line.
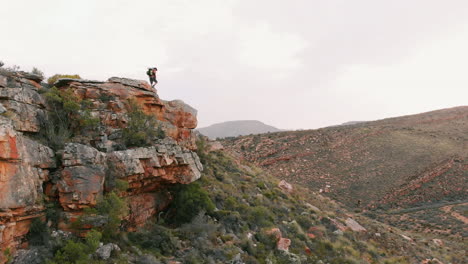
36,169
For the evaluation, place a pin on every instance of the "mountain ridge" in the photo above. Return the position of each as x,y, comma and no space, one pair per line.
236,128
393,163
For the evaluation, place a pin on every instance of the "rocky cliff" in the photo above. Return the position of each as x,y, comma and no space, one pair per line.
79,174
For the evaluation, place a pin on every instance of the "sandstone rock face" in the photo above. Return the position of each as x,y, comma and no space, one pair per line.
19,96
82,178
110,102
148,172
24,165
88,169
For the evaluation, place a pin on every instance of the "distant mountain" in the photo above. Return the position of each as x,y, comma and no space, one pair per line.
236,128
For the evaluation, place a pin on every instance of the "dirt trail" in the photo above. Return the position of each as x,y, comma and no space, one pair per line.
448,209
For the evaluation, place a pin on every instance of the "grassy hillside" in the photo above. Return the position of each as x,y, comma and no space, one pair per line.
230,216
393,163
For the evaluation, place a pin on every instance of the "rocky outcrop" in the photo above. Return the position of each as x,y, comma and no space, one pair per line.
88,168
81,180
24,165
19,95
110,103
148,171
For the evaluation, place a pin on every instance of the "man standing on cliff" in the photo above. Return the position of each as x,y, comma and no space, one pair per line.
152,76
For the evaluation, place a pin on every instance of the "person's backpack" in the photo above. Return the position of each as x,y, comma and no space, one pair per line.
149,72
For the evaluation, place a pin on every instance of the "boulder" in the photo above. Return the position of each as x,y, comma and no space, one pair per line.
33,255
283,244
285,186
438,242
104,252
355,226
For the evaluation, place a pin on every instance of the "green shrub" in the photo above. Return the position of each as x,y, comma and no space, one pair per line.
115,209
304,221
142,129
77,252
190,200
201,226
111,207
260,216
157,239
55,77
121,185
38,232
69,116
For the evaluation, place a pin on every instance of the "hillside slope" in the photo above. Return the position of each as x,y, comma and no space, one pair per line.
394,163
236,128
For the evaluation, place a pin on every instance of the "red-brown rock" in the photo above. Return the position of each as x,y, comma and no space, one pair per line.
176,118
283,244
23,164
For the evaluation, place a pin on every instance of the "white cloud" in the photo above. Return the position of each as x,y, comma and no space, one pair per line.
433,77
266,49
297,63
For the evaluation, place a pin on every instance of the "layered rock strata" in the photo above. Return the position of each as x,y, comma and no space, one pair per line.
110,103
24,163
77,176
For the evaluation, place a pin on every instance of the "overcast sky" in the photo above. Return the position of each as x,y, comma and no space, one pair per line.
291,64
